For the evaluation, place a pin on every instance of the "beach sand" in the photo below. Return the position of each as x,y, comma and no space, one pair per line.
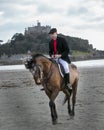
24,107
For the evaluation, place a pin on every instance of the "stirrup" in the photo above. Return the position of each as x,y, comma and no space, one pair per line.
69,86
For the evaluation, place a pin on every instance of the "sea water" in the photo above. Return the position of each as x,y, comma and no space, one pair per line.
80,64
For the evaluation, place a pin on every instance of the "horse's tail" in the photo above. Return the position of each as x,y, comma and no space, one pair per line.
73,66
65,100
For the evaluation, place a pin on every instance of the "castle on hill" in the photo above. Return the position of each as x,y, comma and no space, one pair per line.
38,29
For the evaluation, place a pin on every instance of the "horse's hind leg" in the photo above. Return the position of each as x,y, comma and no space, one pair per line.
67,98
74,97
69,106
53,106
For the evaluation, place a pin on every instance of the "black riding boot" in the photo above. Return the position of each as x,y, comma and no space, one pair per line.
67,82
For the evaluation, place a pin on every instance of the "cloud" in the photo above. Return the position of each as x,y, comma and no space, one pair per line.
44,8
74,17
77,11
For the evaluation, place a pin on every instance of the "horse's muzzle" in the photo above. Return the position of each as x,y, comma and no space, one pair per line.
38,82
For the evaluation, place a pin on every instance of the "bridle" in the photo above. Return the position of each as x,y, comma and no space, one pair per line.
36,67
42,77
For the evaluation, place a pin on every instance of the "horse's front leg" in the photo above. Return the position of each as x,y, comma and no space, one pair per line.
53,112
53,106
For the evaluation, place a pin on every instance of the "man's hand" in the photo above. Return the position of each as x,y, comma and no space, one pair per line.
57,56
52,56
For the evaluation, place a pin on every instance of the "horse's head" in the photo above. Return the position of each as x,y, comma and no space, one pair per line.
35,69
39,66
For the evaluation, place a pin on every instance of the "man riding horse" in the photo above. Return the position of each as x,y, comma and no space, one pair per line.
58,49
46,73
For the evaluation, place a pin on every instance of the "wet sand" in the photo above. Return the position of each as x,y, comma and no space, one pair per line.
24,107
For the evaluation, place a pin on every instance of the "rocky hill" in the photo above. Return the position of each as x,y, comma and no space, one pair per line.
38,42
20,44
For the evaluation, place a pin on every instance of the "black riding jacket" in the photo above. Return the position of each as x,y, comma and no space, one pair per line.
62,48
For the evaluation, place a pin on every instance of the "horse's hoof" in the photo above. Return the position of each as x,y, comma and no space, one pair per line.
42,89
72,113
69,112
54,122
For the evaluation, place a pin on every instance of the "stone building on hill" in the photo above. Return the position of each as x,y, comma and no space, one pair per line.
38,29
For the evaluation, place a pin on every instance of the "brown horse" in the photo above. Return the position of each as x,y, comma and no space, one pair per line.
46,72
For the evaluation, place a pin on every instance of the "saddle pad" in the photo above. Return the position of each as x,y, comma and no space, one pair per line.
61,69
60,66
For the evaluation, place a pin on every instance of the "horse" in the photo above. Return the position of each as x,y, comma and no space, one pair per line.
46,73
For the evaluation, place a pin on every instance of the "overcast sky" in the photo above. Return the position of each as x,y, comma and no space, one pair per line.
79,18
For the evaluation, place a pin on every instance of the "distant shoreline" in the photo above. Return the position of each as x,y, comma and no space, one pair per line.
19,62
99,63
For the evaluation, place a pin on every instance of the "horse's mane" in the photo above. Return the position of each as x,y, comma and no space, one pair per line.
34,56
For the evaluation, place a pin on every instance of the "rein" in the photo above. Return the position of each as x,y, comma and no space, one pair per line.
46,78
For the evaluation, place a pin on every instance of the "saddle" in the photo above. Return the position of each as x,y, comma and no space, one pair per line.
60,66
